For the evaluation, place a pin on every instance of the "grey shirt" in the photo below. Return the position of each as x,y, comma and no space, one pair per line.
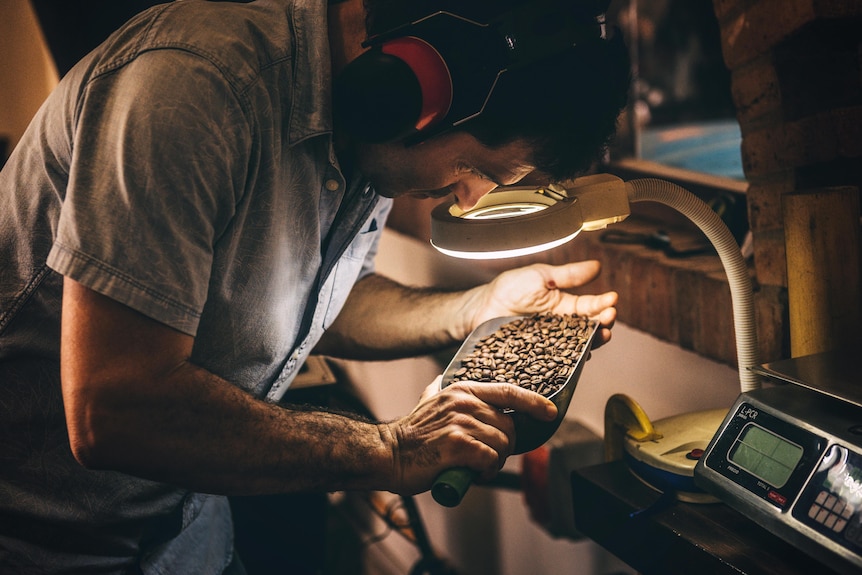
185,168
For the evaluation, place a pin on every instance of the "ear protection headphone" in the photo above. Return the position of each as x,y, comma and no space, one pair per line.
434,73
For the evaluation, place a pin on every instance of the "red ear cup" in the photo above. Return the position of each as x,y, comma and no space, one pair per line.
392,90
435,82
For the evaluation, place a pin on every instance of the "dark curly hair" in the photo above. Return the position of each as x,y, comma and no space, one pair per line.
566,106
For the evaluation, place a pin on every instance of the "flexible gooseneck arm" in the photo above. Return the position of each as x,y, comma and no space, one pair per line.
725,244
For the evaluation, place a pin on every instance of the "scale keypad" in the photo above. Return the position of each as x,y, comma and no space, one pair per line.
831,500
830,511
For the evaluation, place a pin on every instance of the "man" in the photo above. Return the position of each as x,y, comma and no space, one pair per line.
182,225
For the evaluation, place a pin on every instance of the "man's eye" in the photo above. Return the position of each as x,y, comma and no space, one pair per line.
473,172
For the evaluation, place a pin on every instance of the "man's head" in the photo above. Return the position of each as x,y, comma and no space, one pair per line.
562,105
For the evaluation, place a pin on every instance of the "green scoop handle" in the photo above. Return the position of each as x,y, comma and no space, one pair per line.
451,485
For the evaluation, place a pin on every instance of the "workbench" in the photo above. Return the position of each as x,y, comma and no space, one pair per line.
659,535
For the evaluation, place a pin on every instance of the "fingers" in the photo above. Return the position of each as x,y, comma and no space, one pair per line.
571,275
463,425
577,274
596,305
606,318
514,397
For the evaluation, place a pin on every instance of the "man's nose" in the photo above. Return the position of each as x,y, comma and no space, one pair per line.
470,190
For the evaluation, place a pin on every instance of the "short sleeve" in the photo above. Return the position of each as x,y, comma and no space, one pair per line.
162,151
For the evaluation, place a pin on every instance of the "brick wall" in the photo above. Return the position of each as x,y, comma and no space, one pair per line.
797,87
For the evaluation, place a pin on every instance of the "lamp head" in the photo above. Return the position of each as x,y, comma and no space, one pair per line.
519,220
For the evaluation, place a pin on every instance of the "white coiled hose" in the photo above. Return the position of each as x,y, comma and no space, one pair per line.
741,294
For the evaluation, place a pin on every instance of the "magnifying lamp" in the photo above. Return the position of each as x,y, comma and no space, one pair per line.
513,221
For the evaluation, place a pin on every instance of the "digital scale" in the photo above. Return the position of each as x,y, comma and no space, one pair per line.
789,457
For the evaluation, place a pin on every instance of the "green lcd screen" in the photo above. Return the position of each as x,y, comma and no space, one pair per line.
765,455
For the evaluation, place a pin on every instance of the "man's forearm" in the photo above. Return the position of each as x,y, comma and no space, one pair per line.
385,320
135,403
196,430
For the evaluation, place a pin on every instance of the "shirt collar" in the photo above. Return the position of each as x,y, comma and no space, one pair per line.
311,101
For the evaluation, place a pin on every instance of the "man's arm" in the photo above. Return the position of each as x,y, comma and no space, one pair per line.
135,403
383,319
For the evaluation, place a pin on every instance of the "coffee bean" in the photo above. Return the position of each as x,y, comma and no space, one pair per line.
536,352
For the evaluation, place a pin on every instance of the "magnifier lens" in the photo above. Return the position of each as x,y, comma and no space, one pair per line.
501,211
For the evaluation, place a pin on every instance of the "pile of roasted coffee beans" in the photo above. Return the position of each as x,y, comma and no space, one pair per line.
537,352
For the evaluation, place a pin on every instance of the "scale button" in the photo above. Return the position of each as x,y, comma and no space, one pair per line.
821,517
830,502
839,525
847,513
812,513
694,454
821,497
830,521
777,498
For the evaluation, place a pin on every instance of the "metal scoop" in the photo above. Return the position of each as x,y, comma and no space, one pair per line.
451,485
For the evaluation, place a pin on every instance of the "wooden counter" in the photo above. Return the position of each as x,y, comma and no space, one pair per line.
671,537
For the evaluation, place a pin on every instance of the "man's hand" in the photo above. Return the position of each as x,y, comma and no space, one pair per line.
461,426
541,288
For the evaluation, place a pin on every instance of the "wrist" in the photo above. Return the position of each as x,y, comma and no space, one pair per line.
391,479
464,314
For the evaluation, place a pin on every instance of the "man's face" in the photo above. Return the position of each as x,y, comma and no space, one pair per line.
450,164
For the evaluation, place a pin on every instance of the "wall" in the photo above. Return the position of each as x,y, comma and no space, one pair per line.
796,74
27,73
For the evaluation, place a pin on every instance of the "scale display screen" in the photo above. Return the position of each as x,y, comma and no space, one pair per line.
765,455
